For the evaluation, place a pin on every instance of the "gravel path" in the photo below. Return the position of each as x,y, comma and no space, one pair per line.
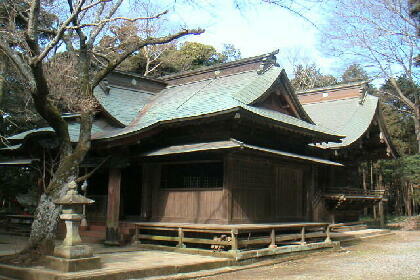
391,257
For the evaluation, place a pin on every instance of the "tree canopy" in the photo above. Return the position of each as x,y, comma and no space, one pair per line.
381,35
354,73
52,48
165,59
310,76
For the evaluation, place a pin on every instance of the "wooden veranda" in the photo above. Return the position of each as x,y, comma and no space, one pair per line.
236,237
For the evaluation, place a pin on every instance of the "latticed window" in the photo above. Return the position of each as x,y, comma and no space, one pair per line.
192,175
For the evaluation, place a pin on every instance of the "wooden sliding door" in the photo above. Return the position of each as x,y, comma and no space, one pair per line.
288,193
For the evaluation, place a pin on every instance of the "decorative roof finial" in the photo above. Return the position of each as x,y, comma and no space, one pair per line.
268,61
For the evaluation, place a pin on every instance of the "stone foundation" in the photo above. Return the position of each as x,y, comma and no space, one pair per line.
73,265
73,252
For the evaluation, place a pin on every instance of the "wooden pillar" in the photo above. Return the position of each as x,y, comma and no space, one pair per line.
136,236
273,239
146,190
150,188
375,213
113,209
372,188
234,240
364,178
181,238
228,180
381,212
328,234
310,186
302,236
332,178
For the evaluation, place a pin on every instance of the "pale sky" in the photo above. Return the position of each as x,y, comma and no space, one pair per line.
255,29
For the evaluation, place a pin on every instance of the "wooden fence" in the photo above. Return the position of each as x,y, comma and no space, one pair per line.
355,192
233,237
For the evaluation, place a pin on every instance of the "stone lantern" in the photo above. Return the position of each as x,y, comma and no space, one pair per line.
72,255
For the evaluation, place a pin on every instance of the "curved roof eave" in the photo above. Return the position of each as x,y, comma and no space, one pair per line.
356,122
319,132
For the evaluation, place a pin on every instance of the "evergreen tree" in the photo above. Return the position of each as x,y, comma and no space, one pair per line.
354,73
310,76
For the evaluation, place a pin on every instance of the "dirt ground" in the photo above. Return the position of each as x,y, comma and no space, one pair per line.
391,257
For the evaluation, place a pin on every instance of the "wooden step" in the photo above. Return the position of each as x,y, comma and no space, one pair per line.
359,235
92,233
354,226
349,228
6,278
97,227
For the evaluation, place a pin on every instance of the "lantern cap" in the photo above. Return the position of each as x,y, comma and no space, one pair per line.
72,197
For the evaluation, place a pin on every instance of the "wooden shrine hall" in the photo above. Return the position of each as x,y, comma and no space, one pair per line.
349,110
226,145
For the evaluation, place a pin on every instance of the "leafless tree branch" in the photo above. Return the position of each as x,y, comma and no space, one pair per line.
59,34
136,46
105,21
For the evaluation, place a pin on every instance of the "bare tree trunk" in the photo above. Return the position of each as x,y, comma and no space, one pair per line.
417,123
400,200
43,231
2,87
407,199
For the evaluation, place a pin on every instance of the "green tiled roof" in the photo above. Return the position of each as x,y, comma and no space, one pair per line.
140,110
123,103
256,85
74,129
344,116
212,96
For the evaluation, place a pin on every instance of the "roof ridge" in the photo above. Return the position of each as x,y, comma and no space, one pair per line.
138,75
130,89
220,66
338,86
208,79
331,100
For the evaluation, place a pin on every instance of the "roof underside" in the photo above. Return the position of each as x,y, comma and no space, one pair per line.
232,144
347,117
